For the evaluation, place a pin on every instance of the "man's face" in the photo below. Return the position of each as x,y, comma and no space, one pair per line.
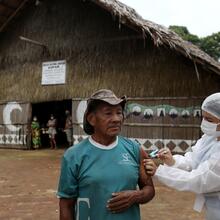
106,120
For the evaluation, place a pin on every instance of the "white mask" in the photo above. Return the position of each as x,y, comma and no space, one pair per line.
209,128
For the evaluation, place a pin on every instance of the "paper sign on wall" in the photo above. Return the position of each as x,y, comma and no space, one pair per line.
54,72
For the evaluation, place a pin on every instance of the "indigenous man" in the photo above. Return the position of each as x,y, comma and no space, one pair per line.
102,177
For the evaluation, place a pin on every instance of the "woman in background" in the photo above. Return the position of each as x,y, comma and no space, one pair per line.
35,133
51,124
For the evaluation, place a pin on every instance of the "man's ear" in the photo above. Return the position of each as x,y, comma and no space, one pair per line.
91,118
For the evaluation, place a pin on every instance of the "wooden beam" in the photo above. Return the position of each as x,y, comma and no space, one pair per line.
32,41
13,15
3,4
3,16
37,43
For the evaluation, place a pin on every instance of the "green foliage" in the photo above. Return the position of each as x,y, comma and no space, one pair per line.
180,30
209,44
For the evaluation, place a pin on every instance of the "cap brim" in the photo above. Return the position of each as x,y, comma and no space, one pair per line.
113,101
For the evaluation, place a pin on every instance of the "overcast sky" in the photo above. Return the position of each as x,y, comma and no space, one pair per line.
201,17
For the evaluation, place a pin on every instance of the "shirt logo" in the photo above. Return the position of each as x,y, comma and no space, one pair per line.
126,159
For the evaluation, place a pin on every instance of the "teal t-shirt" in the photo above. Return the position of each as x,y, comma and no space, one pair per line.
91,174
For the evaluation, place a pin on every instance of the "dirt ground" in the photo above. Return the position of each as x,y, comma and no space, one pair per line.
28,182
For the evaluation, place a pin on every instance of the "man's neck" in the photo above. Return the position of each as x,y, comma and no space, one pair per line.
106,141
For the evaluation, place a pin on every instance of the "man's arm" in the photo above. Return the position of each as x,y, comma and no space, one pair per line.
67,209
121,201
146,192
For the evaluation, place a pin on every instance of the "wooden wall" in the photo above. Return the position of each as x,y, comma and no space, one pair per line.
15,125
154,122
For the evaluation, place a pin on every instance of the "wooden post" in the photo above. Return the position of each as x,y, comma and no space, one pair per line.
28,132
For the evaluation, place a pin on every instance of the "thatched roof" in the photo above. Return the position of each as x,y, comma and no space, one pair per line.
9,9
160,34
128,16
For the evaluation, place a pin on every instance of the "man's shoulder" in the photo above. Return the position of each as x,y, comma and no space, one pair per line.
130,146
128,141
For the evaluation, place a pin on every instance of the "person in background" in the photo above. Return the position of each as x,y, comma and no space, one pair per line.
197,171
68,129
35,133
51,124
99,176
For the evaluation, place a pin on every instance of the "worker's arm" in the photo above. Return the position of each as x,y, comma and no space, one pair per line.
204,179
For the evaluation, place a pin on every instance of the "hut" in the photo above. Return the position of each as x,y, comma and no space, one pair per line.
54,54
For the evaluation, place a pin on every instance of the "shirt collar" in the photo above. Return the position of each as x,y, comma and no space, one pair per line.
104,147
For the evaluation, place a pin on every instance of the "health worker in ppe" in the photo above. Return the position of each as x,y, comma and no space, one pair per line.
197,171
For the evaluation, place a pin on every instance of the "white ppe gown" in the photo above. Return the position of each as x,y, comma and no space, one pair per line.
199,172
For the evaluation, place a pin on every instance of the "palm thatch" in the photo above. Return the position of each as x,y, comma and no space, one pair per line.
159,34
9,10
99,54
129,17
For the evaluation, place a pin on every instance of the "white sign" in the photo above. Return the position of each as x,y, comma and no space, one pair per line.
54,72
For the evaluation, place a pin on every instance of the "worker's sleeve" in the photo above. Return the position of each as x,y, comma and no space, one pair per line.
183,162
68,186
189,161
204,179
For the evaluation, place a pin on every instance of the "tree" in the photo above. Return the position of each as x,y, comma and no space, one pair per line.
209,44
184,33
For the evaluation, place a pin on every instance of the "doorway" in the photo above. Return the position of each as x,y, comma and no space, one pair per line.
43,111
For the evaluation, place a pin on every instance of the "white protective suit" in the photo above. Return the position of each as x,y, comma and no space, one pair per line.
199,172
